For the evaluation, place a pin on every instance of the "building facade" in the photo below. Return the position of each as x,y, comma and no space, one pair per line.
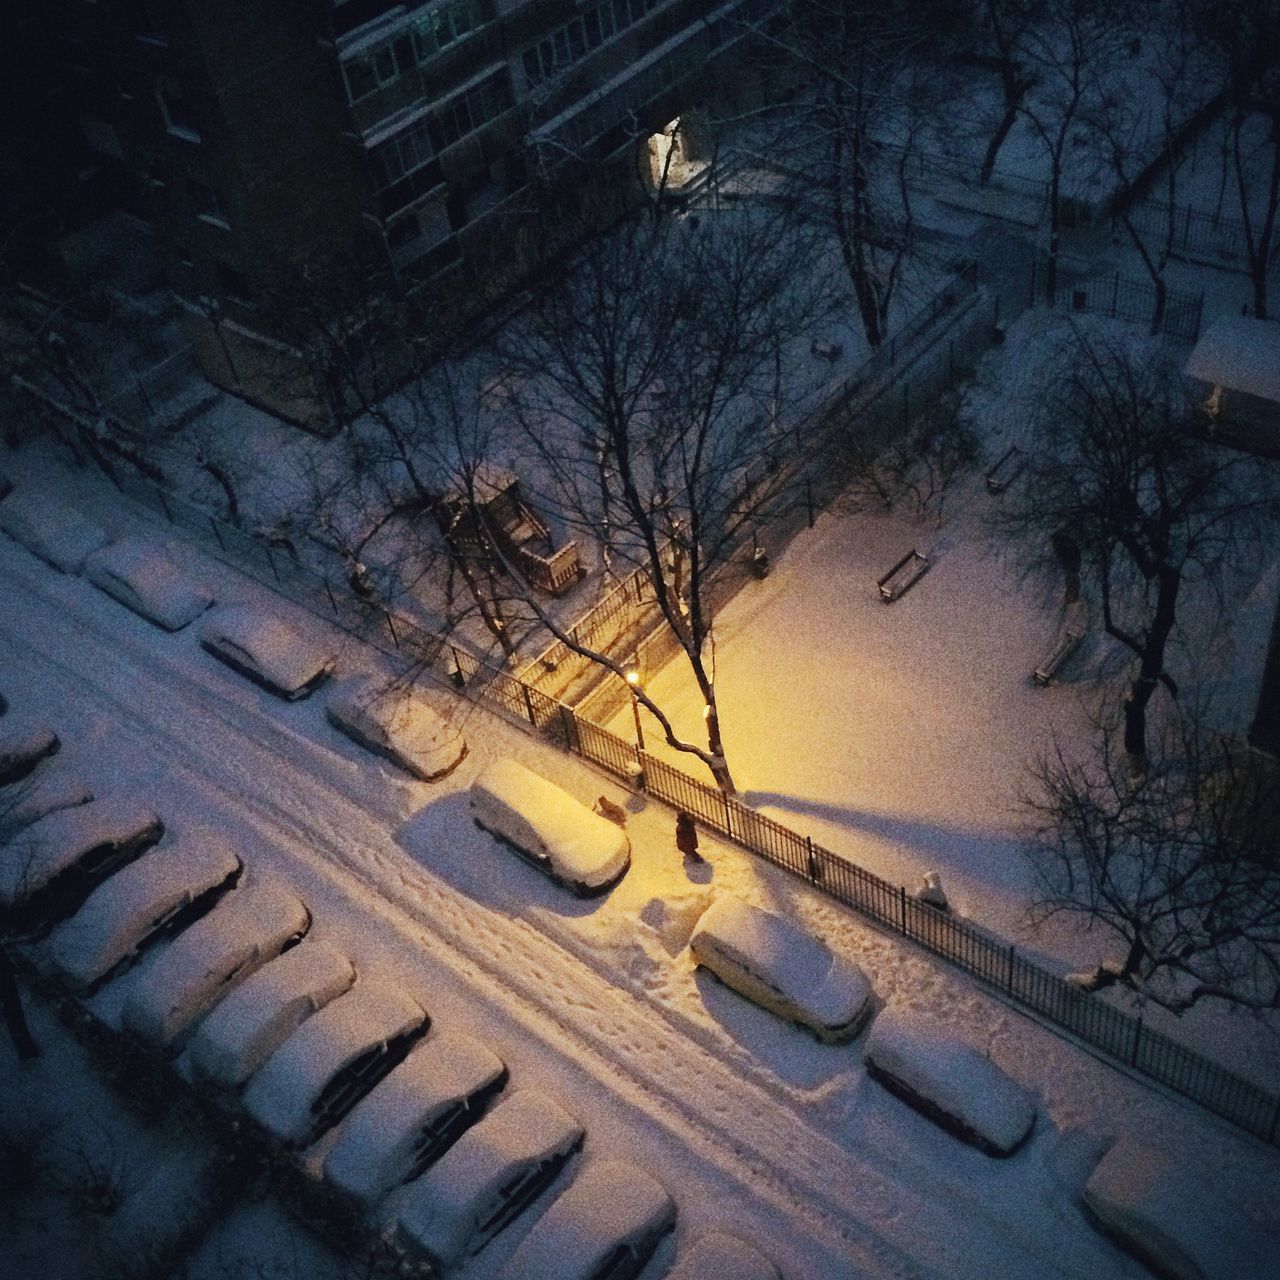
454,144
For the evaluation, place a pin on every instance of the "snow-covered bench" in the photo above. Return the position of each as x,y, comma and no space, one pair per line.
259,1015
137,573
251,925
949,1081
1008,467
902,576
58,535
336,1057
414,1115
156,895
607,1223
486,1178
1065,646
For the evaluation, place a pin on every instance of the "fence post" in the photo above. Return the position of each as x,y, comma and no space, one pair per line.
815,867
808,500
528,704
391,626
902,910
1008,981
728,814
570,722
1137,1037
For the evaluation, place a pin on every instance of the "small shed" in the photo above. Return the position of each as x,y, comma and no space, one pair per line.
1237,365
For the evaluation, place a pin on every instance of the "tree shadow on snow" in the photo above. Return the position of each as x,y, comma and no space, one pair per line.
443,838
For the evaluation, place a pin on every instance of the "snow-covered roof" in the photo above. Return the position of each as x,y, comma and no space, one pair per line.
584,847
56,842
438,1212
799,965
718,1256
607,1205
1138,1193
119,915
932,1063
376,1148
245,930
49,530
259,1015
1240,353
137,572
286,657
281,1095
398,720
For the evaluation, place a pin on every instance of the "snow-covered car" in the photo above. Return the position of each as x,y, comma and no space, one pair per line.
398,722
949,1081
486,1178
137,573
50,867
1138,1195
23,744
250,926
604,1227
546,825
414,1115
259,1015
775,963
57,534
154,897
718,1256
267,650
336,1057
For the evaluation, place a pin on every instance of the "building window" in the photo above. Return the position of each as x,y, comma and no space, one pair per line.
425,36
582,35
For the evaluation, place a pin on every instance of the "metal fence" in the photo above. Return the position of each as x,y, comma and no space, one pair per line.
1195,234
1121,298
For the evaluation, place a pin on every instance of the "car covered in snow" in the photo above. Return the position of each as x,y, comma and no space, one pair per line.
717,1255
57,534
414,1115
776,964
949,1081
486,1178
546,825
605,1226
250,926
1159,1207
137,573
263,1011
23,744
336,1057
399,722
50,867
160,893
266,649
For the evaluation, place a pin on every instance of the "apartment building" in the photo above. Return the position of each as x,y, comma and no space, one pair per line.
453,143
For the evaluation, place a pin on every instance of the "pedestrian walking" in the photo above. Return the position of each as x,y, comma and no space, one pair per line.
687,836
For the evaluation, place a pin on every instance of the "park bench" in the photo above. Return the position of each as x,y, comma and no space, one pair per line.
825,349
1065,646
902,576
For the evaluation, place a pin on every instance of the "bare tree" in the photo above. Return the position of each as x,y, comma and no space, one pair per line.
1178,864
15,800
653,401
1121,463
1006,25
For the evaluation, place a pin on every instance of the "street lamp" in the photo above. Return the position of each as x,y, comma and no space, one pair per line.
633,683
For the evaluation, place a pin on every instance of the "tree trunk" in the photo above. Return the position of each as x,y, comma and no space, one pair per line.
14,1015
1007,122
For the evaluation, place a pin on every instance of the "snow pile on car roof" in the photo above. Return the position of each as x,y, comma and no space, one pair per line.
256,1018
949,1080
119,914
165,593
236,938
608,1203
399,718
378,1143
24,742
718,1256
286,656
281,1095
55,843
49,530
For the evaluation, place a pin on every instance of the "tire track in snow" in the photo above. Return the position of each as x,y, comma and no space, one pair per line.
793,1166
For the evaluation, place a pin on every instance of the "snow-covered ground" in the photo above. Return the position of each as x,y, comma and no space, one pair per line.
750,1125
